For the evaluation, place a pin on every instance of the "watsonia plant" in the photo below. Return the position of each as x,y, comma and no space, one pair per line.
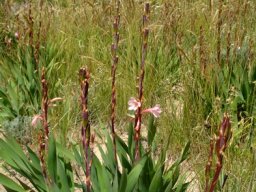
49,170
114,49
138,115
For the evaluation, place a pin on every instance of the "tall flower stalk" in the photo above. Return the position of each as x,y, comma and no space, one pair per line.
37,44
43,118
43,138
45,104
31,25
85,130
114,48
219,24
138,115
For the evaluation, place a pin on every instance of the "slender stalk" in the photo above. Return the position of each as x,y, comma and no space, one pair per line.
211,6
37,46
31,25
219,24
228,47
114,48
209,165
202,51
85,130
45,105
138,115
43,138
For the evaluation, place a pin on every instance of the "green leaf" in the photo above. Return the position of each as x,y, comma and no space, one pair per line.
78,158
103,178
123,182
110,154
156,182
62,151
9,183
63,178
151,130
185,152
122,144
52,159
181,185
133,176
34,159
115,182
131,143
244,89
125,162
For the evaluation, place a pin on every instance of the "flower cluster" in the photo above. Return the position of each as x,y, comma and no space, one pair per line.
134,104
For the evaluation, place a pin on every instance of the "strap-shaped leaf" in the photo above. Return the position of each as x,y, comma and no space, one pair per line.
134,175
123,181
10,184
131,143
185,152
63,177
115,182
151,130
52,159
157,181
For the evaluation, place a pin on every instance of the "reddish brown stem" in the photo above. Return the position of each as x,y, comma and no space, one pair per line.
85,130
31,25
138,115
219,24
209,165
43,140
202,51
37,46
45,105
114,48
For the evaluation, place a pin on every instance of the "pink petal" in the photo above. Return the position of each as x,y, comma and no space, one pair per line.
133,104
156,110
35,119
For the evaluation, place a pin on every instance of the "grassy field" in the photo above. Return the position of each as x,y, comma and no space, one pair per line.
200,65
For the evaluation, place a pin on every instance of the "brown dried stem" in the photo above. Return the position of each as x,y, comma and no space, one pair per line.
85,130
114,48
138,115
228,47
202,50
31,25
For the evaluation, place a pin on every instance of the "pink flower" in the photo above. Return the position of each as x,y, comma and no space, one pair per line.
17,35
35,119
156,110
137,128
133,104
